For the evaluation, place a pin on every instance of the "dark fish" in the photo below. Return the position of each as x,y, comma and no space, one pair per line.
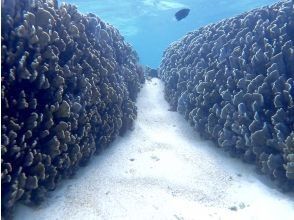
182,13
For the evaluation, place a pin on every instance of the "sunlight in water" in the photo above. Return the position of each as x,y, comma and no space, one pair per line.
149,25
163,5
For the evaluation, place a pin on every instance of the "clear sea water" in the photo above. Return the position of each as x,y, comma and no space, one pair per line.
149,25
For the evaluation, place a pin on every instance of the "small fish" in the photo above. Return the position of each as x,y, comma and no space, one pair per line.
182,13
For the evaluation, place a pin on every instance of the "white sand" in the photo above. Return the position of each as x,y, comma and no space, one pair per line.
162,170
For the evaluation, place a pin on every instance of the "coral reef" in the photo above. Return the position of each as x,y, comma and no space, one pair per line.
150,72
69,82
234,82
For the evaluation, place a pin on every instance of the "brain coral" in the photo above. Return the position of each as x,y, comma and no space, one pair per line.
69,82
234,82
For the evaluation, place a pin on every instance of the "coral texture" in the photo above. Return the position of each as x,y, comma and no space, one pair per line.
234,82
69,82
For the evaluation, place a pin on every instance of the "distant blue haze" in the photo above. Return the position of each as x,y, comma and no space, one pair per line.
149,25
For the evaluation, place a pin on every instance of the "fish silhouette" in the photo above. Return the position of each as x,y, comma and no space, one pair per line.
182,13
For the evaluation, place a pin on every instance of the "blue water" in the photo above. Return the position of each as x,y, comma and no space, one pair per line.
149,25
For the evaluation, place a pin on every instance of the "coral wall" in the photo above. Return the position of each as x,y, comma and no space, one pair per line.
234,82
69,82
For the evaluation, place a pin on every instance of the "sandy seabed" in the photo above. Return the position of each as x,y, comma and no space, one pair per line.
162,170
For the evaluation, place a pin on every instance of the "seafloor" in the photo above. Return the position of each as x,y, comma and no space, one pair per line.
161,170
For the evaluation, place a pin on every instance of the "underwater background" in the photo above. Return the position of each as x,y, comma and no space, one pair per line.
149,25
71,87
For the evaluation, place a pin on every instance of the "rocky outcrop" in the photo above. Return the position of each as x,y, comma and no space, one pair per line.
234,82
69,82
